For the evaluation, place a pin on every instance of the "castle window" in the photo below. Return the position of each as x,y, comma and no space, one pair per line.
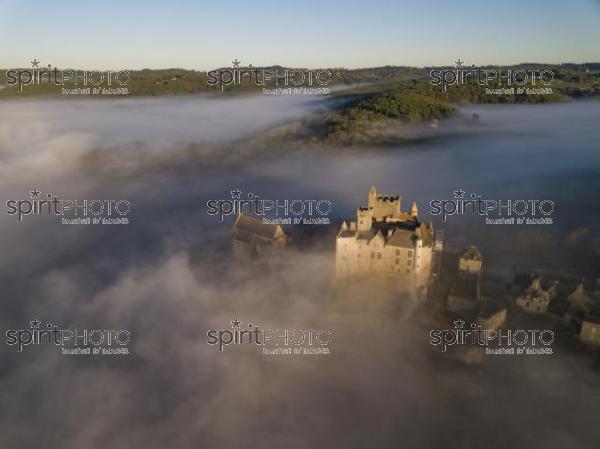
397,261
397,252
410,253
407,271
409,262
378,255
372,255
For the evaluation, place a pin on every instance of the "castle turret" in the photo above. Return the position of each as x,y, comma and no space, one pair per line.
364,219
536,284
414,210
372,197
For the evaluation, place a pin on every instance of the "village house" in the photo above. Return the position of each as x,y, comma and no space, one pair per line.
465,293
590,330
471,261
535,299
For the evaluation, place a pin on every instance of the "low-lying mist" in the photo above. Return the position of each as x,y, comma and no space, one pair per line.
168,276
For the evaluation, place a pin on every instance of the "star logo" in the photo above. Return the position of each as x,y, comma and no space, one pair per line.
235,323
35,63
35,324
460,193
236,193
236,63
458,324
35,193
459,63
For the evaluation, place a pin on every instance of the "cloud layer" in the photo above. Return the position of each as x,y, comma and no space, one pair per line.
168,277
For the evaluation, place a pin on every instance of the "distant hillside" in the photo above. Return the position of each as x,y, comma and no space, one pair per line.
374,106
571,80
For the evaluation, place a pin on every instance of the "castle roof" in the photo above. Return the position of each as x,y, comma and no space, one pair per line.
402,234
393,226
390,226
402,238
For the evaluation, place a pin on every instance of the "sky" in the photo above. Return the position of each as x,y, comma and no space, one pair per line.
205,35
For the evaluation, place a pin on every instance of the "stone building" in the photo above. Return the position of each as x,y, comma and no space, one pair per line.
535,299
471,261
465,292
580,305
251,238
590,330
580,299
385,243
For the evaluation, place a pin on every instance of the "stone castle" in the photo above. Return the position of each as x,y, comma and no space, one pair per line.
385,242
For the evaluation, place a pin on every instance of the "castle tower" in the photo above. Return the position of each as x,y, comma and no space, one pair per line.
372,197
364,217
414,210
